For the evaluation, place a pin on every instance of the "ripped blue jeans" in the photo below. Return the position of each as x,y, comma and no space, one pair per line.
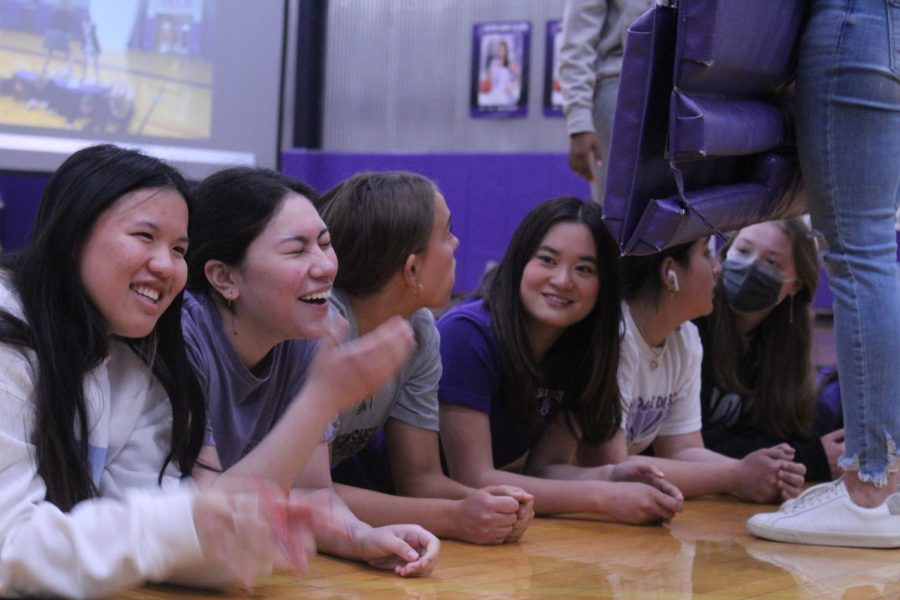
848,128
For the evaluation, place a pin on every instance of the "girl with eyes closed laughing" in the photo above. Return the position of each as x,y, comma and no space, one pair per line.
265,348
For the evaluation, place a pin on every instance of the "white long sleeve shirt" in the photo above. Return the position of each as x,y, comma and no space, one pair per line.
134,531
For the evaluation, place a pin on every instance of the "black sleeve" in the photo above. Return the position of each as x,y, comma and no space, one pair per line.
812,454
738,443
740,439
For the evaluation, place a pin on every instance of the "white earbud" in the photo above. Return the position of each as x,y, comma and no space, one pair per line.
673,279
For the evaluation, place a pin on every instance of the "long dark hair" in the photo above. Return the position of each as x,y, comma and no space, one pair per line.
590,346
377,220
776,368
640,273
68,334
231,208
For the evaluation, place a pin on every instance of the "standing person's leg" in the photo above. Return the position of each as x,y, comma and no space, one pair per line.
849,132
605,95
848,125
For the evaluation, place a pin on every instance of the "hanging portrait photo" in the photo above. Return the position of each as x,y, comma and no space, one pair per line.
553,99
499,86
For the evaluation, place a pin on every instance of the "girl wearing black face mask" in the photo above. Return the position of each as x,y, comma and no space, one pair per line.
758,387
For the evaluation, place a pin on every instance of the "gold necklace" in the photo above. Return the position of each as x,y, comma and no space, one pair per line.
656,350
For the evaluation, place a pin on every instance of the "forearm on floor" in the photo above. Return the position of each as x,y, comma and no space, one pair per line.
697,476
432,485
327,541
571,472
379,509
551,496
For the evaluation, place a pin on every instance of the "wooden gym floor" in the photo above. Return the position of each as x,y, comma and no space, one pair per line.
704,553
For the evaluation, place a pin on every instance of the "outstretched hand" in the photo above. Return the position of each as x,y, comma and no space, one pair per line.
250,530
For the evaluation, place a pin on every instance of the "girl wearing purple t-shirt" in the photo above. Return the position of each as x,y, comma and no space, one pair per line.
529,372
261,271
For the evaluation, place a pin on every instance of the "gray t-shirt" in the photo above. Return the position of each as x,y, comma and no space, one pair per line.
243,405
410,397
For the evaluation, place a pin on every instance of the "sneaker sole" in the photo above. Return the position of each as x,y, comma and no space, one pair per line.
818,538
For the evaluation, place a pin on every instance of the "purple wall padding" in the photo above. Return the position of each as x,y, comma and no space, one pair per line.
823,300
488,194
21,194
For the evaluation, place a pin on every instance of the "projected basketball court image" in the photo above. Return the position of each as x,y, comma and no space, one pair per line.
108,67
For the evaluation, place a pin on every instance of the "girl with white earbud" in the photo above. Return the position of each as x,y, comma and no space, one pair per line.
659,382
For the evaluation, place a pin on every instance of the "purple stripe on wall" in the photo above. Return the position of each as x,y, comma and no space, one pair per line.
488,195
21,194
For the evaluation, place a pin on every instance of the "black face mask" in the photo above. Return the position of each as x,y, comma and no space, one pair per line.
748,288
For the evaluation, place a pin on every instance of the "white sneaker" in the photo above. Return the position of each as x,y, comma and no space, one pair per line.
825,515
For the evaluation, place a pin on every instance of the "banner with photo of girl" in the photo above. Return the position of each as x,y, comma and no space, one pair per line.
500,69
553,99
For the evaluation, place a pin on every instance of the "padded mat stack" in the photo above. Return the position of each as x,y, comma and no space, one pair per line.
702,139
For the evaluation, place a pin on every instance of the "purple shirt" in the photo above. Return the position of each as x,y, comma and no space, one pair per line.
472,377
243,405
